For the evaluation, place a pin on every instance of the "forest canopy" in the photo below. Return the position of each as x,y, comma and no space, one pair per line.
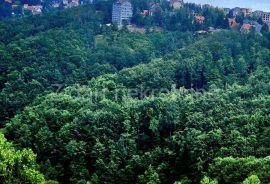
83,102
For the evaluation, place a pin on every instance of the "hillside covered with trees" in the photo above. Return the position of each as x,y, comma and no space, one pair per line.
83,102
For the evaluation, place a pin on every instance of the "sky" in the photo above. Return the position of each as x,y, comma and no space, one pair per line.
263,5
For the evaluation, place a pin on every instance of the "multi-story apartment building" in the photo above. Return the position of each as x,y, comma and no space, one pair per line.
122,10
266,17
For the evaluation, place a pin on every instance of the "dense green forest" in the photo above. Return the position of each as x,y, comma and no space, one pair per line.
83,102
45,53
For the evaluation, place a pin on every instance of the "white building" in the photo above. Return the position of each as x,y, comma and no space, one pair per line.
122,10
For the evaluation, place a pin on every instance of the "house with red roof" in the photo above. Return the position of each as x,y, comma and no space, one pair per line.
199,19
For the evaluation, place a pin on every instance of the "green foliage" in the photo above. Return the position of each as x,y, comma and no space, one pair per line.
180,19
120,137
224,169
39,56
253,179
18,166
101,106
207,180
149,176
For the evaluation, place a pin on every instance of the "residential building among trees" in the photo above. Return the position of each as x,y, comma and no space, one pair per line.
122,10
266,17
241,11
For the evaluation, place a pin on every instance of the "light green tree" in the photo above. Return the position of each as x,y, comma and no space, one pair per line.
253,179
207,180
150,176
18,166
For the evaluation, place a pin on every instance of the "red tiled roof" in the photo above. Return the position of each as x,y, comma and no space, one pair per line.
145,12
199,18
247,26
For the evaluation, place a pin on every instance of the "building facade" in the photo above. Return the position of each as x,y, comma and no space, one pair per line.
122,10
266,17
241,11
